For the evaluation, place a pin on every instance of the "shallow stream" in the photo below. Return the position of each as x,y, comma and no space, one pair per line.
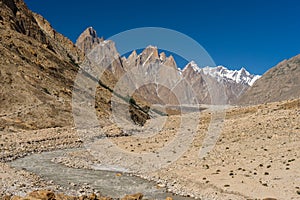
107,182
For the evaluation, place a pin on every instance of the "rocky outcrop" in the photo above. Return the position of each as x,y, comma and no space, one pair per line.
16,16
282,82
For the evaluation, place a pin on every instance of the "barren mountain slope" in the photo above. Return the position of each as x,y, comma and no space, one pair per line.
38,67
282,82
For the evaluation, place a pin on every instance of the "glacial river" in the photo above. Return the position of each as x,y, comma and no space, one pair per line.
107,182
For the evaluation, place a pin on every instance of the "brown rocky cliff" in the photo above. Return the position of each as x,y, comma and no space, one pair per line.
198,83
15,15
62,43
38,67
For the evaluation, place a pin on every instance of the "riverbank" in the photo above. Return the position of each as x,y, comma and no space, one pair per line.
114,184
50,195
26,166
16,144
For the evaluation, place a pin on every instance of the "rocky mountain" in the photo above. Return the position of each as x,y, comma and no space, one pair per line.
154,78
38,67
153,75
230,84
131,76
281,82
88,40
238,76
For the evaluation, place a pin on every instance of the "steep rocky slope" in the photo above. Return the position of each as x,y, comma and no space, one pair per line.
36,71
38,67
282,82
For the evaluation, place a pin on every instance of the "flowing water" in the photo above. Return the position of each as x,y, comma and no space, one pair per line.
107,182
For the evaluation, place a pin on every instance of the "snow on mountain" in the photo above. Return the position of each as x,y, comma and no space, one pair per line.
241,76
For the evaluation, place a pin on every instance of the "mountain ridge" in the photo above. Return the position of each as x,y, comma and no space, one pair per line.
220,71
150,61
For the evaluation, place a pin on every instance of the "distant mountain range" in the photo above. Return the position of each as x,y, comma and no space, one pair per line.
233,82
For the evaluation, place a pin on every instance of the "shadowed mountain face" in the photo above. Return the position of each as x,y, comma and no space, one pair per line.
282,82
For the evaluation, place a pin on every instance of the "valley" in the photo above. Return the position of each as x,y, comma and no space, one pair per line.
80,121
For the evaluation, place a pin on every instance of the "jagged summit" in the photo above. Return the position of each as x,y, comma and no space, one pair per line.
88,39
149,54
192,65
170,61
162,56
131,58
150,60
91,31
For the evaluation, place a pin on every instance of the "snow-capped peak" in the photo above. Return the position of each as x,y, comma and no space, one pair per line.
222,73
238,76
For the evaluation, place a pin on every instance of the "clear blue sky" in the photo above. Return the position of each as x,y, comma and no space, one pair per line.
255,34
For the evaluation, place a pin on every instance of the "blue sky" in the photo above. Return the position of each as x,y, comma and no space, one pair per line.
252,34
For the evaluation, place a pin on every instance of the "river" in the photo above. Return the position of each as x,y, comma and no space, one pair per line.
107,182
